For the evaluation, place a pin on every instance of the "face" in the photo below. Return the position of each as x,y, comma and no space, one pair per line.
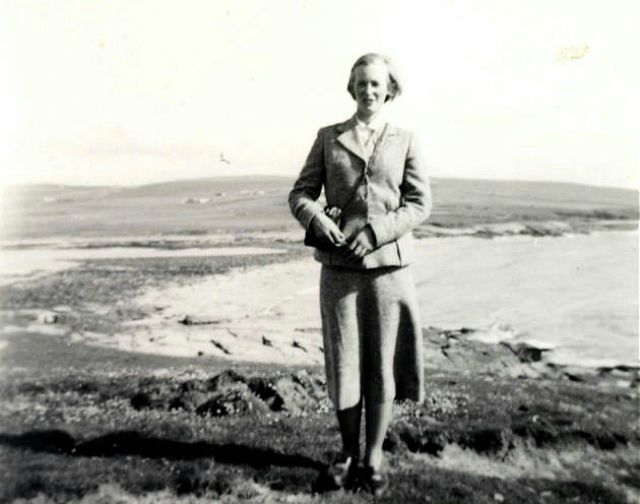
371,86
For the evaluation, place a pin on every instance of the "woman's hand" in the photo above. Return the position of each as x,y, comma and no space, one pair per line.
326,229
363,243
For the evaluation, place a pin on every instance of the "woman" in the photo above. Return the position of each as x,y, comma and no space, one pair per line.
376,192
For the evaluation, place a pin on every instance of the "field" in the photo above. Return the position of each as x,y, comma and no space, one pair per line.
242,204
83,423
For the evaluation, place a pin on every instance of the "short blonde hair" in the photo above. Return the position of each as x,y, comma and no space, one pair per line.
395,87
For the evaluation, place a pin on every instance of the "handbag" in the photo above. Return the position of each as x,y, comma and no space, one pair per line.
335,213
311,239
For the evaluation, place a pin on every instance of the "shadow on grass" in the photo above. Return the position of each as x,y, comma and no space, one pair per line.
134,443
70,477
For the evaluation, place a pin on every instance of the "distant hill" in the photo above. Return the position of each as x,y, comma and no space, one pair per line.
260,203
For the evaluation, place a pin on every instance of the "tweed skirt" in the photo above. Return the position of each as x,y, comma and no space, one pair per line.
372,335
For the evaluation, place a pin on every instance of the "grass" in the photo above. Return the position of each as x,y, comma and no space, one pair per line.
89,424
71,431
257,204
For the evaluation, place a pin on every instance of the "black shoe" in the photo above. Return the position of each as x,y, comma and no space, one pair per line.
341,472
373,481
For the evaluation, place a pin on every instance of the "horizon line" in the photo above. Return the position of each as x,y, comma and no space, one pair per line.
292,177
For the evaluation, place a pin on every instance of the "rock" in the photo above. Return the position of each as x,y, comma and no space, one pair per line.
265,389
294,396
233,402
522,371
416,439
62,309
432,442
141,400
392,442
151,396
621,376
220,347
409,434
293,393
456,350
296,344
189,401
226,379
50,318
487,440
192,386
485,233
186,320
191,320
525,352
178,402
573,377
540,230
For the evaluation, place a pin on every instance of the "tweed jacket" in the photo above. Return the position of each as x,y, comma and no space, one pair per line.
391,192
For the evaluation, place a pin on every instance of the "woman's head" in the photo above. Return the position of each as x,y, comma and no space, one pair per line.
373,81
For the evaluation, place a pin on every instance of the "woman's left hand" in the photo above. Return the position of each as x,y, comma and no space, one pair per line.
361,244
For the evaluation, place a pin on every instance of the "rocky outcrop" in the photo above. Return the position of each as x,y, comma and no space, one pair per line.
447,351
232,393
459,351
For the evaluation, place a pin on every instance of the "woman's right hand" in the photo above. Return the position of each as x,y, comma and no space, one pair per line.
325,228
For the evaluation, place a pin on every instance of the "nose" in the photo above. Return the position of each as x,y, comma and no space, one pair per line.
368,92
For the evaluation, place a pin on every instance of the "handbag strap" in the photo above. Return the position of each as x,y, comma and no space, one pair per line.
364,173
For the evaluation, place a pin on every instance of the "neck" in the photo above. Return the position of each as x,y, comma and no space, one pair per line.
367,117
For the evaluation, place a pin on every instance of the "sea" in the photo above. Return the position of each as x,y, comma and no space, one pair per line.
576,294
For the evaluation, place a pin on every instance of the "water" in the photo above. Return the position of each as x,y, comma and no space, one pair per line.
578,294
30,263
575,294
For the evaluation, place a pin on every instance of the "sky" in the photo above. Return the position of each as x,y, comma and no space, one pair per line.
142,91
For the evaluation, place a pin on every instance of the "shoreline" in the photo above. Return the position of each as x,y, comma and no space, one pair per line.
234,323
222,238
500,423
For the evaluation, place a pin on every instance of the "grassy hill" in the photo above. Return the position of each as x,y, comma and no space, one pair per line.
257,203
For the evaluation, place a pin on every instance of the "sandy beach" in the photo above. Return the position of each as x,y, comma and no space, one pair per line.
583,284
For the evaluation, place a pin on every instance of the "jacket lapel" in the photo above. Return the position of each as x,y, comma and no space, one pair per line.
349,140
389,132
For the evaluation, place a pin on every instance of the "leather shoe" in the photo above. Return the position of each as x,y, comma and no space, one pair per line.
374,481
341,472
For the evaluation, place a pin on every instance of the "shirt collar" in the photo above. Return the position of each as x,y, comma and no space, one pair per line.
376,124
